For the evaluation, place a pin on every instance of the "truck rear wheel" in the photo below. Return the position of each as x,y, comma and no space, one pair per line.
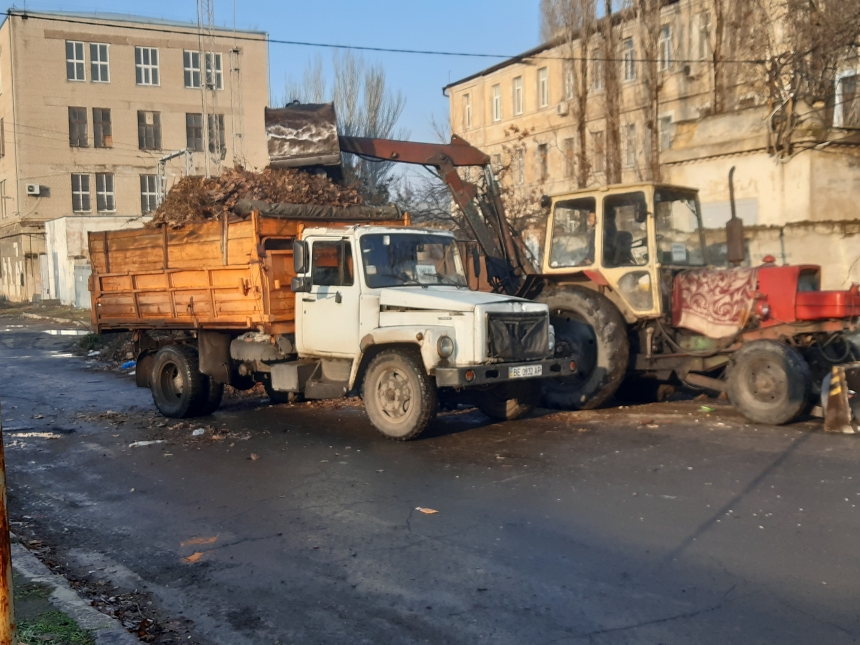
178,388
768,382
589,327
399,396
213,392
508,401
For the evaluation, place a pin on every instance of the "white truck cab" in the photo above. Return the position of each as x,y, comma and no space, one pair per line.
388,311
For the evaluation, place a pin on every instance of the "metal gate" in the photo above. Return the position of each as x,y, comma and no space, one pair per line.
82,291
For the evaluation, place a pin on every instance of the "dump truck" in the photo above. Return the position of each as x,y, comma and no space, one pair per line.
318,302
630,282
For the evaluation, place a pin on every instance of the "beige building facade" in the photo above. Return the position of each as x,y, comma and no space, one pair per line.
89,104
523,113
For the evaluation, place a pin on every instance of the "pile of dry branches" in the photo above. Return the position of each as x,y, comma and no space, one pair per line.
196,198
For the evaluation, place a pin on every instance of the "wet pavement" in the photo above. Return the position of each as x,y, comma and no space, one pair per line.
298,524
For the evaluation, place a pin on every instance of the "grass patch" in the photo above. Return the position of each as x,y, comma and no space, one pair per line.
90,342
31,591
53,628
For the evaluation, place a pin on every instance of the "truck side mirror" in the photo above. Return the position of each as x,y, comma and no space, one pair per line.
300,256
301,284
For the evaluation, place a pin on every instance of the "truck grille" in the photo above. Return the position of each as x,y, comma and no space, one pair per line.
517,337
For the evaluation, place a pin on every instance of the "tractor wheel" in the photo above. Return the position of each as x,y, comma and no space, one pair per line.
508,401
768,382
589,327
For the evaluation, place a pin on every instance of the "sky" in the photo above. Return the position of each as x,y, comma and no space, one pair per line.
506,27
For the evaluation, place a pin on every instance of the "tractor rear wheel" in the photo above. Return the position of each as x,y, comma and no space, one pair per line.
589,327
768,382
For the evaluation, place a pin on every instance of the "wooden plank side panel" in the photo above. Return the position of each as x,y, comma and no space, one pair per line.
154,304
194,302
113,283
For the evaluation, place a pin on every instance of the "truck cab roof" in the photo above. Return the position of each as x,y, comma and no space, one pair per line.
365,229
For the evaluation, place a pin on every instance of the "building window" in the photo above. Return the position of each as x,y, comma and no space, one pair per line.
497,102
631,147
75,63
3,211
665,125
519,167
664,48
598,142
217,141
149,130
543,87
518,95
146,65
569,80
81,193
467,111
704,35
99,64
105,201
102,133
214,73
78,127
543,161
847,112
599,78
148,193
191,63
629,57
194,132
569,158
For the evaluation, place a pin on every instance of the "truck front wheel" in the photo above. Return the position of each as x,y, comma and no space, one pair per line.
508,401
178,388
399,396
768,382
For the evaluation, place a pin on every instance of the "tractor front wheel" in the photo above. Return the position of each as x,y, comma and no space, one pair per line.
769,382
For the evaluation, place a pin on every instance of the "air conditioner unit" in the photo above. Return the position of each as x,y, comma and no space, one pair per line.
34,190
562,109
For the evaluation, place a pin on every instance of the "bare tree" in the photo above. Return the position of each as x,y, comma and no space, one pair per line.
654,62
365,107
612,96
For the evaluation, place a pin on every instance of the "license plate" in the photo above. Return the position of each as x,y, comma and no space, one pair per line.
525,371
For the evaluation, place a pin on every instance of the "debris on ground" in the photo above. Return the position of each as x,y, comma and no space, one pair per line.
142,444
199,432
197,198
426,511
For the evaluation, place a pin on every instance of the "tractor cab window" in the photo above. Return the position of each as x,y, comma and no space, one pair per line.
625,230
573,233
679,229
332,264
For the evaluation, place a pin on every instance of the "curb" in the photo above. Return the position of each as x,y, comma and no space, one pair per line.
67,321
105,630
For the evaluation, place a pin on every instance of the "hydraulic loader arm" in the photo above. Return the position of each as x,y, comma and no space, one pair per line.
507,259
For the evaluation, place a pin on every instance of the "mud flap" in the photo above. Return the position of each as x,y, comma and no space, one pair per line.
838,415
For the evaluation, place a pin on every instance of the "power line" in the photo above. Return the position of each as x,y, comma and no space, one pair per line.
387,50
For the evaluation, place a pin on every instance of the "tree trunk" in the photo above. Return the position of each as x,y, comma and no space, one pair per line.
611,98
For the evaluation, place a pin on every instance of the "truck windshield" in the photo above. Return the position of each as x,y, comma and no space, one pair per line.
404,259
679,228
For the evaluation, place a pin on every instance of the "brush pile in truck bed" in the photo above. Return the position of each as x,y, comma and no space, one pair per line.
194,199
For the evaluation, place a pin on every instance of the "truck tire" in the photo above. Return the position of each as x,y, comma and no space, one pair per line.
589,327
399,396
213,392
276,396
508,401
768,382
178,388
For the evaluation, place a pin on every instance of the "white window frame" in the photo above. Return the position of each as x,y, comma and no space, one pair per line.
100,69
839,110
598,73
105,192
543,87
631,145
497,102
147,73
467,111
628,48
518,95
704,34
664,47
218,71
148,191
79,193
79,65
190,70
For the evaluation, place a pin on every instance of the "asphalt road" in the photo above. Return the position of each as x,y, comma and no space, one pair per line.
655,524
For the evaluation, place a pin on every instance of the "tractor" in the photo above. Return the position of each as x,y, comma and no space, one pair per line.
630,282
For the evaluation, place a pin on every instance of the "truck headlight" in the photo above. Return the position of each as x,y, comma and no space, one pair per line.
551,339
445,346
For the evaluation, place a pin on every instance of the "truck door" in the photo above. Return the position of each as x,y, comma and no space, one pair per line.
328,314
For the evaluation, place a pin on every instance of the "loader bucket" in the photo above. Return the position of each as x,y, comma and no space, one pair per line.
302,134
838,399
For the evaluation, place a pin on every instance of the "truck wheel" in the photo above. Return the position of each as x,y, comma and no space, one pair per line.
178,387
399,397
210,400
589,327
276,396
768,382
508,401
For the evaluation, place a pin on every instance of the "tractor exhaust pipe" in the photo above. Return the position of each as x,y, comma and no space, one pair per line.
736,251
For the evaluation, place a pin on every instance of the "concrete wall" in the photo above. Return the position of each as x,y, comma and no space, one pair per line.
66,246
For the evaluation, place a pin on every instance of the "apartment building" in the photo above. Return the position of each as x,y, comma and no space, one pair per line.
89,104
523,113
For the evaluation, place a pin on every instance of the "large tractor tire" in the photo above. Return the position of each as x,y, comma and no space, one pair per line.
400,398
589,327
510,400
769,382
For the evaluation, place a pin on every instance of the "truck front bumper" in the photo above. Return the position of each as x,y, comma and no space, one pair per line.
501,372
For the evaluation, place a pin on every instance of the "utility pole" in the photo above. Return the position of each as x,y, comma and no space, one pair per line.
8,634
209,85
